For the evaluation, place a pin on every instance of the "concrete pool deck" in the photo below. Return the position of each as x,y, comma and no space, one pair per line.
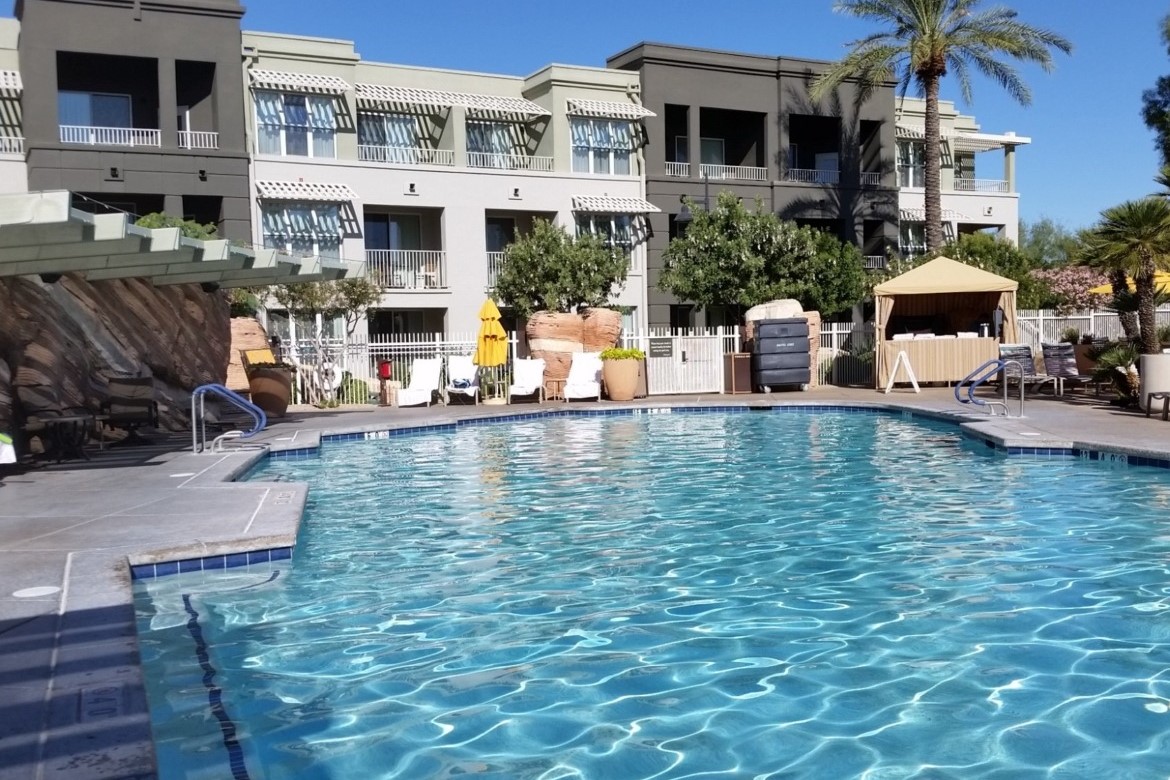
73,703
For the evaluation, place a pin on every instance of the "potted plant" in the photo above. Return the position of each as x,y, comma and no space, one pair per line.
1086,362
270,386
620,368
1070,335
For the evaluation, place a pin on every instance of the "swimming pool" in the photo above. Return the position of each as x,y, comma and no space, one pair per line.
809,595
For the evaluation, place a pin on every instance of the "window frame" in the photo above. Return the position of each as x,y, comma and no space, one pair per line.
597,152
309,128
912,163
587,222
292,237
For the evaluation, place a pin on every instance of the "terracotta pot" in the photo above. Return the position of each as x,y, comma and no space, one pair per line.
1085,364
271,389
621,378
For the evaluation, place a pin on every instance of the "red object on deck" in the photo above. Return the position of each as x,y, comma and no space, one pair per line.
385,370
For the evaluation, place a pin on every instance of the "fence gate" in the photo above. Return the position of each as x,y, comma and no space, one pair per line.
677,364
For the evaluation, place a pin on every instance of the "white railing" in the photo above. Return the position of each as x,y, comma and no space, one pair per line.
871,178
198,139
110,136
407,269
695,360
11,144
874,262
812,176
494,261
911,250
740,172
509,162
1040,326
405,155
980,185
682,170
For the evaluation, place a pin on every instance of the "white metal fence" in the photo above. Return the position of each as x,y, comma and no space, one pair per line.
1045,327
689,361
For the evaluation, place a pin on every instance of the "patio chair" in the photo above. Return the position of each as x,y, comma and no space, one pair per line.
1060,360
425,382
462,377
527,379
1022,354
130,405
584,377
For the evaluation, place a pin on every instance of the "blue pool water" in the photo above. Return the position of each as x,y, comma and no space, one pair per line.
755,595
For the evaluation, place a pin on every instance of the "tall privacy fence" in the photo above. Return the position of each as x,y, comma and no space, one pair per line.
678,362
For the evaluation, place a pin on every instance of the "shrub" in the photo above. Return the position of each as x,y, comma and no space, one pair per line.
1070,335
623,353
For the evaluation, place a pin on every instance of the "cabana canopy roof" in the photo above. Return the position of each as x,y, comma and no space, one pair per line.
944,275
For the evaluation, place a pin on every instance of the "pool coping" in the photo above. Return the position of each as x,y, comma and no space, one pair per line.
101,575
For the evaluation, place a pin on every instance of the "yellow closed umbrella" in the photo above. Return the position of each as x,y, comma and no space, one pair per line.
491,346
1161,280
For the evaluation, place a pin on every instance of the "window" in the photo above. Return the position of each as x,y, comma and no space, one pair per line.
614,229
294,125
912,238
391,138
602,146
630,320
911,172
94,109
711,151
302,228
499,232
682,316
492,142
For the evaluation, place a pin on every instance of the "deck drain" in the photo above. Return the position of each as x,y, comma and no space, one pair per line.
32,593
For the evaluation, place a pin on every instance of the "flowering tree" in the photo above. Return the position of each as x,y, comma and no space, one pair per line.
1070,287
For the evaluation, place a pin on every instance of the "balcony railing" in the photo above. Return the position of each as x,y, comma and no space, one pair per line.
509,162
682,170
740,172
11,144
110,136
494,261
407,269
405,155
198,139
812,176
980,185
874,262
871,179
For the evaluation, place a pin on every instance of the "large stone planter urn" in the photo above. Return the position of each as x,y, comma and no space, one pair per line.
621,378
271,389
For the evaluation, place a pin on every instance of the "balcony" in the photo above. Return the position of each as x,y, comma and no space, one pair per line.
980,185
739,172
509,162
198,139
874,262
405,155
110,136
681,170
494,261
871,179
812,176
407,269
11,144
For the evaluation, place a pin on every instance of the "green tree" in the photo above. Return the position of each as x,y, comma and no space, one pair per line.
1134,239
926,39
732,256
1156,105
1002,257
1048,243
549,270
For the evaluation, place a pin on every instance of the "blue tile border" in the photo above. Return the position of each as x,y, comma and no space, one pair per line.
146,571
778,408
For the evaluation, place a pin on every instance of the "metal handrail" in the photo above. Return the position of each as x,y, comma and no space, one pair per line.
199,417
983,373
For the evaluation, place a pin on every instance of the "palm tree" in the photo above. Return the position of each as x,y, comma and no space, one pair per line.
1134,239
925,40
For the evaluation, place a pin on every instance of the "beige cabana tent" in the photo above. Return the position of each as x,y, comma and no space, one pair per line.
933,309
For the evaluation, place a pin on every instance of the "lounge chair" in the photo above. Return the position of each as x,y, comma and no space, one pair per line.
425,382
1060,360
462,377
1022,354
129,405
584,377
527,379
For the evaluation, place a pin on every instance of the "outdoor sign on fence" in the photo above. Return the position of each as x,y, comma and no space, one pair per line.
660,348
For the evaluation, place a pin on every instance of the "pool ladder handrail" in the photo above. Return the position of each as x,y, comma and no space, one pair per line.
199,418
983,373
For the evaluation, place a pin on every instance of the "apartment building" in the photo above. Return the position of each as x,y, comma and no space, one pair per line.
13,171
979,192
745,124
430,174
137,106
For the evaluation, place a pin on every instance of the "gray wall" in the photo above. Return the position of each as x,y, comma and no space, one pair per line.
777,89
167,32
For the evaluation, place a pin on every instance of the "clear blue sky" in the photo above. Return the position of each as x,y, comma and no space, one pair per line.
1090,149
